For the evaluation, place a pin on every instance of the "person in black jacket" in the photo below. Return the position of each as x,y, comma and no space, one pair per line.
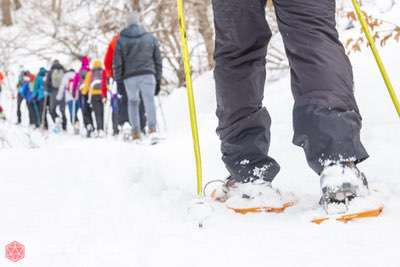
53,83
137,62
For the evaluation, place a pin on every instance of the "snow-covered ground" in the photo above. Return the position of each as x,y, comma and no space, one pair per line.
94,203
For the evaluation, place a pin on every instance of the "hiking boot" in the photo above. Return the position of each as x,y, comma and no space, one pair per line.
101,134
135,136
340,183
89,131
76,128
115,133
257,193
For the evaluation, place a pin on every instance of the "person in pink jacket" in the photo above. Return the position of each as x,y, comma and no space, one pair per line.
78,81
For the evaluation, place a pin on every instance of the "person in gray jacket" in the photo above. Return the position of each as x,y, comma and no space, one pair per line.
137,62
326,118
53,82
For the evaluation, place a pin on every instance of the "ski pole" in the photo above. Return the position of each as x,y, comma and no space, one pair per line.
73,111
378,59
190,95
160,107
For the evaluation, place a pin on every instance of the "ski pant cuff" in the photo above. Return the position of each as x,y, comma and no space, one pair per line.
328,136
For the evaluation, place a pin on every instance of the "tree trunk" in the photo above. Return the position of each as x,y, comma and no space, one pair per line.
136,5
17,4
59,9
205,29
53,5
6,12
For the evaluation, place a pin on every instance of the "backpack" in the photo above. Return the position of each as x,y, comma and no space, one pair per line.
56,78
96,79
82,74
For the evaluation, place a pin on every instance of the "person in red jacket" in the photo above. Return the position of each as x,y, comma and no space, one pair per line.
116,95
109,56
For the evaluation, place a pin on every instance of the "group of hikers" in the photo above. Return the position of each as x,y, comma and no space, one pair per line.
128,79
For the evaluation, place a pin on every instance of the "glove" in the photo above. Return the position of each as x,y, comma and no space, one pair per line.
158,87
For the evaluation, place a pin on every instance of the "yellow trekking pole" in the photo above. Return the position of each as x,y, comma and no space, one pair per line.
190,95
378,59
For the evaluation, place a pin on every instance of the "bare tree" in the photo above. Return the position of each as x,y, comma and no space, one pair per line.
6,12
17,4
205,28
136,5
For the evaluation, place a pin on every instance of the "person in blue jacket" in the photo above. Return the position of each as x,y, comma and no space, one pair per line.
25,85
39,96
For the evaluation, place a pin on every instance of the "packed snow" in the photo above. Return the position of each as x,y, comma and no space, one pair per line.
102,202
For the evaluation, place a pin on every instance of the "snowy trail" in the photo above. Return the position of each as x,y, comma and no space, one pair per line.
126,205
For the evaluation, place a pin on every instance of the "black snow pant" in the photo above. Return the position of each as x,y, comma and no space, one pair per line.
19,113
115,120
34,113
86,111
123,107
98,108
42,114
54,103
123,104
115,106
326,119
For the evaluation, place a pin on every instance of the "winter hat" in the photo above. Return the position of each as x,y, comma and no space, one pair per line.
132,18
97,64
85,62
42,71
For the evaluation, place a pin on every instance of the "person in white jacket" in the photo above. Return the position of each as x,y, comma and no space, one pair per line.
71,99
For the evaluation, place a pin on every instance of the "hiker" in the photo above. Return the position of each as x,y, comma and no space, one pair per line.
25,86
19,96
118,119
53,83
137,62
77,86
326,118
39,99
95,87
119,99
65,94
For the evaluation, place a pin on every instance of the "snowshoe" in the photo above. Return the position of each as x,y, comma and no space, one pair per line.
58,126
253,197
126,132
346,195
77,129
153,137
115,132
126,137
136,137
101,134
